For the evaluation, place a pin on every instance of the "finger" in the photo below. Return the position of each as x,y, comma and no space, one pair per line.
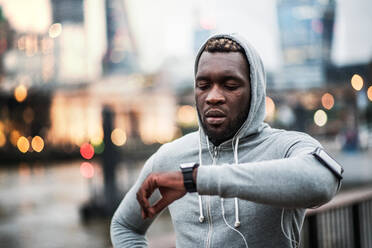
147,189
141,197
142,203
158,207
150,184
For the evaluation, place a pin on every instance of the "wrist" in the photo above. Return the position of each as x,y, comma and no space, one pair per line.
195,174
189,176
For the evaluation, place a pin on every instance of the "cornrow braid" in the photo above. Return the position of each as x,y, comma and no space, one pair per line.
222,45
225,45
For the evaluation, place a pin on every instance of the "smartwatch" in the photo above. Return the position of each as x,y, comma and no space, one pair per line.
188,180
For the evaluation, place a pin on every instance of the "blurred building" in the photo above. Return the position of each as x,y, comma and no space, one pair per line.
77,30
68,11
306,31
55,85
5,41
144,107
120,55
324,98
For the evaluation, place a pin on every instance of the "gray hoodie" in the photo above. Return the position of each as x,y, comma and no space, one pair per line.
252,189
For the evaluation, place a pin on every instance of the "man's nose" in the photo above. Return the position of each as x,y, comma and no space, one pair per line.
215,96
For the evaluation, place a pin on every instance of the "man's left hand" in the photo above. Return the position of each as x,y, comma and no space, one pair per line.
171,187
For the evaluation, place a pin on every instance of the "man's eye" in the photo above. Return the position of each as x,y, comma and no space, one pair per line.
202,85
231,86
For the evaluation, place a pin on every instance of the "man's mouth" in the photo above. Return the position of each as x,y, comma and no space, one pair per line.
215,117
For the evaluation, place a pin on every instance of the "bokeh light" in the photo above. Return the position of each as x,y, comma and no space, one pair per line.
37,143
21,43
31,45
55,30
87,151
270,109
369,93
96,140
320,118
98,144
87,170
328,101
2,139
118,137
357,82
47,45
20,93
99,148
187,116
23,144
164,137
14,136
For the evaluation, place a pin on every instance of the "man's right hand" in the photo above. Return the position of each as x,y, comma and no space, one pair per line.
171,187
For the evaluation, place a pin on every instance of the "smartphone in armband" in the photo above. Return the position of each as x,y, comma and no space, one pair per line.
329,162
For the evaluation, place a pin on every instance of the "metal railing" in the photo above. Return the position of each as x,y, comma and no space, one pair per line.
345,222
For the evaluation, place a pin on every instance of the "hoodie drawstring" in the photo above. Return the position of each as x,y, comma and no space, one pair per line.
201,217
236,158
237,221
235,150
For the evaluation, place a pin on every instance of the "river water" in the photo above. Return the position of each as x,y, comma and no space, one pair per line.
39,207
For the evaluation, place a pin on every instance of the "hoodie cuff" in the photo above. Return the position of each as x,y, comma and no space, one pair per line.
208,180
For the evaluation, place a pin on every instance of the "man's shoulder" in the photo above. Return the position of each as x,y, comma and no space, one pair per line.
293,140
288,138
186,141
183,149
289,135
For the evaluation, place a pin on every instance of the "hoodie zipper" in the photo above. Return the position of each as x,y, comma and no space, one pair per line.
209,216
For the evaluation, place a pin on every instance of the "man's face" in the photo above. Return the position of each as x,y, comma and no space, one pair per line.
222,93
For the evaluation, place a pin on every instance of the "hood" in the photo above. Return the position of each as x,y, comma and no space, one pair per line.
254,122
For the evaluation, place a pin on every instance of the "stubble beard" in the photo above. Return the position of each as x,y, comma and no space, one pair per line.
219,137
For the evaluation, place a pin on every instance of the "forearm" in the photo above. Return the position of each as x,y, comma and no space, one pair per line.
123,236
291,182
128,228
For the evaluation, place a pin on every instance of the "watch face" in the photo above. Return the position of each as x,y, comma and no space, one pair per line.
187,165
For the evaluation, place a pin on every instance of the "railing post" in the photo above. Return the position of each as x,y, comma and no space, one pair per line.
313,233
356,226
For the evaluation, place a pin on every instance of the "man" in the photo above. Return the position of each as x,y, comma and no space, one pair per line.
253,183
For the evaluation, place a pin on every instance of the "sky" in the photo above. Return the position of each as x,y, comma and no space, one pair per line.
26,15
353,32
169,24
164,28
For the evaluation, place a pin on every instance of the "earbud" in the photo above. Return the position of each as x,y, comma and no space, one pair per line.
201,219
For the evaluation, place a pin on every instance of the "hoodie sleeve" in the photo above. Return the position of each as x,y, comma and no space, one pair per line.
296,181
127,226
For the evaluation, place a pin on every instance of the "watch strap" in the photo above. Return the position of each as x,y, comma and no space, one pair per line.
188,180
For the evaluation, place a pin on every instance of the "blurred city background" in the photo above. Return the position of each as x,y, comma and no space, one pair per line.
89,89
